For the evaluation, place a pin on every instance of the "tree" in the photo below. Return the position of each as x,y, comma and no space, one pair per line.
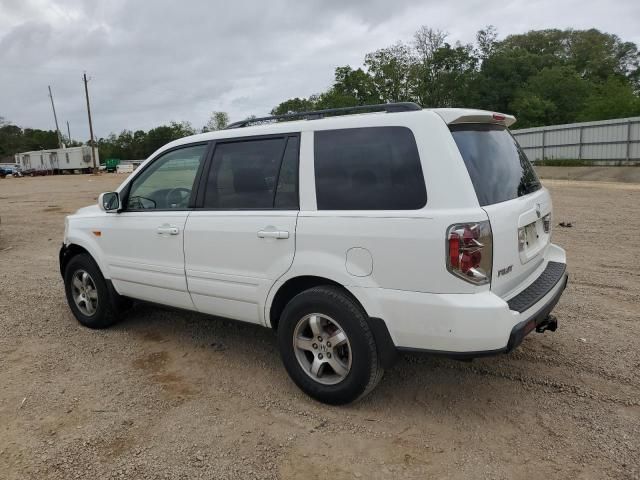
452,70
543,76
14,139
357,85
554,95
427,42
503,74
487,42
597,56
390,70
217,121
613,98
293,105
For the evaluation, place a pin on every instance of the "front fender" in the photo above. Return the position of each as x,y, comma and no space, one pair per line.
83,240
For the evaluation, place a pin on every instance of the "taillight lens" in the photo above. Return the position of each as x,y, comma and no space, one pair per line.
469,251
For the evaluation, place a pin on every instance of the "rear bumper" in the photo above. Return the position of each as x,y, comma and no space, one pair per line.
539,316
465,325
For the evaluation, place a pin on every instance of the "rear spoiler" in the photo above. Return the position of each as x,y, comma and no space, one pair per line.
454,116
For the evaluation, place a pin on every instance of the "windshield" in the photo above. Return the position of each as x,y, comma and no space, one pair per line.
498,167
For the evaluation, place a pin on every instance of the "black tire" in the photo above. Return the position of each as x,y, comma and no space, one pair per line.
365,371
106,310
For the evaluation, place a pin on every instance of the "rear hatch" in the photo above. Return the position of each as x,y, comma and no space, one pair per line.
509,191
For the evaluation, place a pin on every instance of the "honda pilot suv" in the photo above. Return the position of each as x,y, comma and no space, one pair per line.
352,235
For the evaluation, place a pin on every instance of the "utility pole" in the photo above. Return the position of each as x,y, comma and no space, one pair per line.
68,131
93,147
55,117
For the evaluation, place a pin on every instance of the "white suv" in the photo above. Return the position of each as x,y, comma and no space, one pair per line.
353,235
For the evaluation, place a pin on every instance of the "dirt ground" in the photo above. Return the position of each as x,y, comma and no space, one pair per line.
172,394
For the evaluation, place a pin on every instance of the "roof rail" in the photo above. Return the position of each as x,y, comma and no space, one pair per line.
315,114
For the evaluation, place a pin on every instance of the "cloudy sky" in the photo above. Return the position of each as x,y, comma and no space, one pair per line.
151,62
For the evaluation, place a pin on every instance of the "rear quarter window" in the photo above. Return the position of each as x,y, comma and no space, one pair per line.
374,168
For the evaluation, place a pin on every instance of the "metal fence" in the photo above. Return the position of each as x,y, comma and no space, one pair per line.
605,142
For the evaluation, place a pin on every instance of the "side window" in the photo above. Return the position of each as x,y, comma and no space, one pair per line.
166,184
375,168
246,174
287,190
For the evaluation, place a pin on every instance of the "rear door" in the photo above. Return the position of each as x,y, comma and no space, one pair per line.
511,194
241,239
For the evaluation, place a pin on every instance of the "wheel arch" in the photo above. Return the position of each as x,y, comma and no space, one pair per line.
73,248
387,351
295,285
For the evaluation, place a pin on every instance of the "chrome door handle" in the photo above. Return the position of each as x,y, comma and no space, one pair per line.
273,234
168,230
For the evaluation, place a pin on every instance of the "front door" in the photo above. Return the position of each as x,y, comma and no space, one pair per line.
144,243
242,238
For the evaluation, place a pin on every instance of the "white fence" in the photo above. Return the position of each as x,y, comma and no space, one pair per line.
604,142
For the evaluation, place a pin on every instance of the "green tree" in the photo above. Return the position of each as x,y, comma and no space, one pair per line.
217,121
552,96
390,70
357,85
452,71
487,42
293,105
613,98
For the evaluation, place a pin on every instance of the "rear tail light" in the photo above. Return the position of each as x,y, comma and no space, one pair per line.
546,223
469,251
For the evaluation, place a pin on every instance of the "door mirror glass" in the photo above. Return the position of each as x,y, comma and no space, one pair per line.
109,201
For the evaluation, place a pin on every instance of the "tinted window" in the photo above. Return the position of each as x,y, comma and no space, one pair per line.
287,191
244,174
166,184
498,167
375,168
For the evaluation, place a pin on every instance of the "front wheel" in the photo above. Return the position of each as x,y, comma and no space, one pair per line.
327,347
87,293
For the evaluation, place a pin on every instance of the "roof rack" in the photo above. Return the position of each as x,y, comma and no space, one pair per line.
315,114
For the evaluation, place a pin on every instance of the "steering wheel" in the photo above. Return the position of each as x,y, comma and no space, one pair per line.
178,197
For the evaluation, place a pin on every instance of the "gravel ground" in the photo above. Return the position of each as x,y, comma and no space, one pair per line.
172,394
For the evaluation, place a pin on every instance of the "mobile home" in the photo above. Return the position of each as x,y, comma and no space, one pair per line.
58,160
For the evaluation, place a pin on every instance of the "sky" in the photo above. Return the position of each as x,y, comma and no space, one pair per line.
152,62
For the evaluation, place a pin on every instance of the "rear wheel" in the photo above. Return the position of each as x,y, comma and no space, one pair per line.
327,347
87,293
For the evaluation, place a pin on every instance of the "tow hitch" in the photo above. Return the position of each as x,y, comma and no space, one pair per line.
550,323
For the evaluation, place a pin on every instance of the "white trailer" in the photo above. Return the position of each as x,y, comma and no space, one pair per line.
56,160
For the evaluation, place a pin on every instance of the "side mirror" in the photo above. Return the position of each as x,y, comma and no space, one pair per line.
109,201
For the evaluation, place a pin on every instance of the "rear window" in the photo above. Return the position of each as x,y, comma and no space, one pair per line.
375,168
498,167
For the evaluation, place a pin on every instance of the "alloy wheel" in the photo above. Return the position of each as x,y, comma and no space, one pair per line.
84,292
322,348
